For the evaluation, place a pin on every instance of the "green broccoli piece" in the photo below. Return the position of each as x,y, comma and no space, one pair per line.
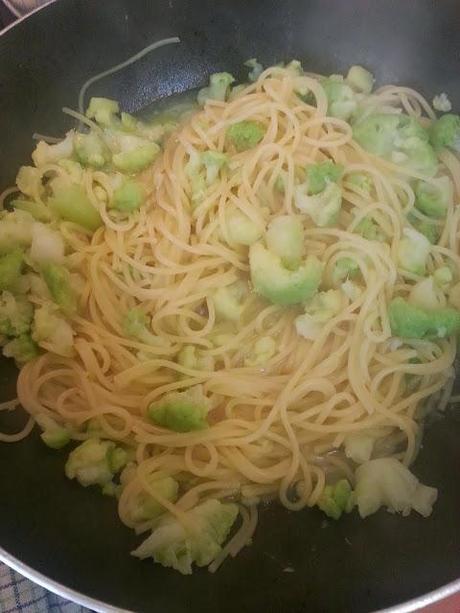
413,251
410,321
103,111
398,138
213,161
70,202
429,230
340,97
174,545
256,69
95,462
57,279
11,265
285,238
360,79
53,435
91,150
129,197
137,159
51,154
320,309
336,499
218,89
241,229
344,268
434,198
445,132
245,135
278,284
52,332
16,315
22,349
15,230
146,507
229,300
38,211
323,208
319,175
28,180
135,324
181,411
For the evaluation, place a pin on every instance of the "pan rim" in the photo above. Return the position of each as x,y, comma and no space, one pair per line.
414,604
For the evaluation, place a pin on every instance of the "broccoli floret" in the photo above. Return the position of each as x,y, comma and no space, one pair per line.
103,111
218,89
387,482
445,132
398,138
279,284
319,175
136,159
129,197
360,79
53,435
11,265
358,446
320,309
57,279
241,229
181,411
176,546
50,154
213,162
435,197
256,69
340,97
91,150
410,321
323,208
22,349
229,300
15,230
264,349
29,180
245,135
285,238
344,268
336,499
442,103
16,315
37,210
70,202
95,462
47,245
146,507
413,251
52,332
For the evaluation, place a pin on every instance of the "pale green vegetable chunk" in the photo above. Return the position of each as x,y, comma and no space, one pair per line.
319,175
11,265
95,462
277,283
427,295
70,202
91,150
147,507
38,211
136,324
413,251
410,321
336,499
434,198
319,310
213,162
52,332
57,279
136,159
344,268
360,79
386,482
53,435
256,69
323,208
245,134
50,154
176,546
285,238
358,446
218,89
16,314
241,229
445,132
47,245
341,98
181,411
103,111
22,349
264,349
15,230
229,300
29,180
129,197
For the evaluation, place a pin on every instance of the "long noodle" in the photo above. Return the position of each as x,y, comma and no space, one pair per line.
272,429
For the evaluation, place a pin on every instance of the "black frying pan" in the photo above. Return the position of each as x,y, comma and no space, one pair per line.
72,535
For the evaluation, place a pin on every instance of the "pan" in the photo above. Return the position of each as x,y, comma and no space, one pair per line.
70,539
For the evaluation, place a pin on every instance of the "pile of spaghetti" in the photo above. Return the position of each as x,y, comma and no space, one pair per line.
255,300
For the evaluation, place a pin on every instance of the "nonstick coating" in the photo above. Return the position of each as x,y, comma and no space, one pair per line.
71,534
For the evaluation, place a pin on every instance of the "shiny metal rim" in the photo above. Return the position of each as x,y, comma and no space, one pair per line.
415,604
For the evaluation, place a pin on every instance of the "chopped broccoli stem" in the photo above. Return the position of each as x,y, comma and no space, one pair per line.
129,197
103,111
57,279
90,150
433,198
137,159
16,315
38,211
71,203
410,321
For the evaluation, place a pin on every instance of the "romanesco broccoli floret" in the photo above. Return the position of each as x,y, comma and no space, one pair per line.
53,434
323,208
445,132
181,411
360,79
11,265
433,198
103,111
95,462
16,314
410,321
319,175
50,154
336,499
245,134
